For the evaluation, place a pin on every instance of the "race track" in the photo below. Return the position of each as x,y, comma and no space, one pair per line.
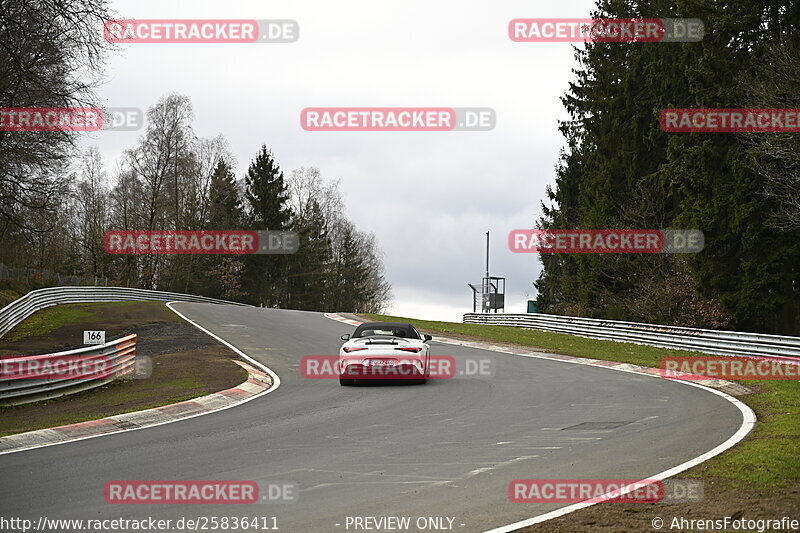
445,449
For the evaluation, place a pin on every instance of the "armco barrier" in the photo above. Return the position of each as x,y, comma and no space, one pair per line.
22,308
700,340
121,352
116,358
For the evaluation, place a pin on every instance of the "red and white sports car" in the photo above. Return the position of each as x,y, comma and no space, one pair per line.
384,350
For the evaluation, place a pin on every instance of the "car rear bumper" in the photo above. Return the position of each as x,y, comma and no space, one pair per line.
364,370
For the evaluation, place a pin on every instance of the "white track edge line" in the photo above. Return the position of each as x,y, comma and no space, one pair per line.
276,381
748,422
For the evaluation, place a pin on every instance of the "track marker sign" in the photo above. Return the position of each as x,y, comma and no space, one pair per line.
94,337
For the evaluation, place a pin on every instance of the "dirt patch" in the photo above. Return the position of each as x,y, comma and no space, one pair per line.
61,327
157,339
187,363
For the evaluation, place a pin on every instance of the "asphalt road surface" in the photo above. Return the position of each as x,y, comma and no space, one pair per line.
445,449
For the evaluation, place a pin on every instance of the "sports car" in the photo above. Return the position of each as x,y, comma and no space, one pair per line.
384,350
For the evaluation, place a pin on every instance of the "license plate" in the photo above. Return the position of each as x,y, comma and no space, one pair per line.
381,362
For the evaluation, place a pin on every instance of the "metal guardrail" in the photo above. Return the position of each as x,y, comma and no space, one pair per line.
710,341
120,353
22,308
67,372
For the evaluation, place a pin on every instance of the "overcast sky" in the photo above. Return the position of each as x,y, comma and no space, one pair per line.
429,197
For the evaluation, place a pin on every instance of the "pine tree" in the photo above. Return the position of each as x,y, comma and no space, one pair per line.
620,170
266,194
266,206
309,266
224,204
349,278
220,274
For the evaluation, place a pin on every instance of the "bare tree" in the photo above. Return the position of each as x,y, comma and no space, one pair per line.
307,183
377,293
50,56
127,213
90,208
161,155
163,160
209,152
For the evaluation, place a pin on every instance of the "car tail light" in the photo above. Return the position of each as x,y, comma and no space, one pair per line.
352,349
413,350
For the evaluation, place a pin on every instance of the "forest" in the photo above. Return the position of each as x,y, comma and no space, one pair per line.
619,169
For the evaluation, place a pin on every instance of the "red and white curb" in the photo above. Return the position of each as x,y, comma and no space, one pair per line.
340,318
260,380
748,417
257,383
